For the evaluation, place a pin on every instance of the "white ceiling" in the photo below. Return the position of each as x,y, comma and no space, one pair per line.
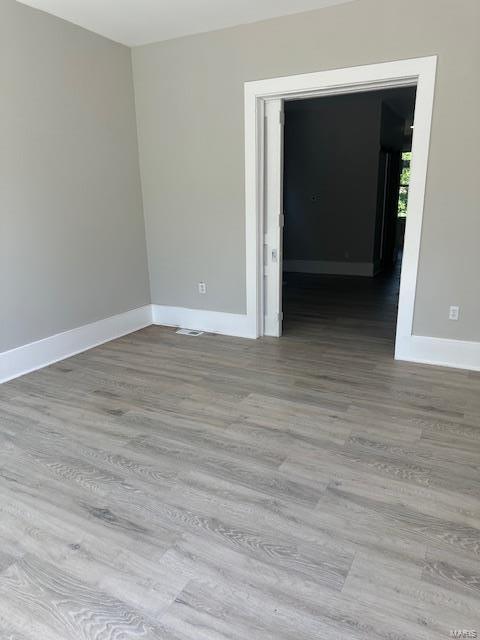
137,22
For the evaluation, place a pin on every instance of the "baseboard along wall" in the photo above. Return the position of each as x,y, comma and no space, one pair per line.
36,355
229,324
460,354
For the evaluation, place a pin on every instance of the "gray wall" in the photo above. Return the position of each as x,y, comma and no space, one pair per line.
72,243
189,95
331,175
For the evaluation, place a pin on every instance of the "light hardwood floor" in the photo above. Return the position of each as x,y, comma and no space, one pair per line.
213,488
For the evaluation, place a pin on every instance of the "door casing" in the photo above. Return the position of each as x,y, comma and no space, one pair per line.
419,72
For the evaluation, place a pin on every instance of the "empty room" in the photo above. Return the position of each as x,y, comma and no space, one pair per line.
239,320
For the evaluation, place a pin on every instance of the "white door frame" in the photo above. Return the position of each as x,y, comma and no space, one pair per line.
273,219
418,71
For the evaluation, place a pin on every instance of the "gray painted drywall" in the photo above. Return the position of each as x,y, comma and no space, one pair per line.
331,174
72,239
189,97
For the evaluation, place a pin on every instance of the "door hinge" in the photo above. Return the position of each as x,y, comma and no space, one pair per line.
280,316
281,220
282,117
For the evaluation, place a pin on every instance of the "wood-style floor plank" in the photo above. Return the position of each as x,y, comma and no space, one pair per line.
213,488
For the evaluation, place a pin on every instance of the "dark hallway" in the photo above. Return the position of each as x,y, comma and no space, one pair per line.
346,179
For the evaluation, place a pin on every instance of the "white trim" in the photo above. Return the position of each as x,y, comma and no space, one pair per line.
439,351
230,324
329,267
273,220
420,72
36,355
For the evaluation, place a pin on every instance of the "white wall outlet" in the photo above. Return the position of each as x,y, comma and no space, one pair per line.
202,287
453,313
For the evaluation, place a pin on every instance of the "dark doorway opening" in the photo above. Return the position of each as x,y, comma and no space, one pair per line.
346,171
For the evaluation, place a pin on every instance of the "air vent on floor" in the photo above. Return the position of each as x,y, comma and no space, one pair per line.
189,332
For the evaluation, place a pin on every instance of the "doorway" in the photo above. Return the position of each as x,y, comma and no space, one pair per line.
344,214
264,118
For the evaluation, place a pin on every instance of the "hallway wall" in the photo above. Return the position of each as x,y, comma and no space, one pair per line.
331,165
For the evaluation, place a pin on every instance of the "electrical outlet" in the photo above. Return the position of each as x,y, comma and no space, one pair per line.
202,287
453,313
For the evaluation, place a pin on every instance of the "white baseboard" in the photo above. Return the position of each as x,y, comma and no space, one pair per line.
36,355
329,267
229,324
459,354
